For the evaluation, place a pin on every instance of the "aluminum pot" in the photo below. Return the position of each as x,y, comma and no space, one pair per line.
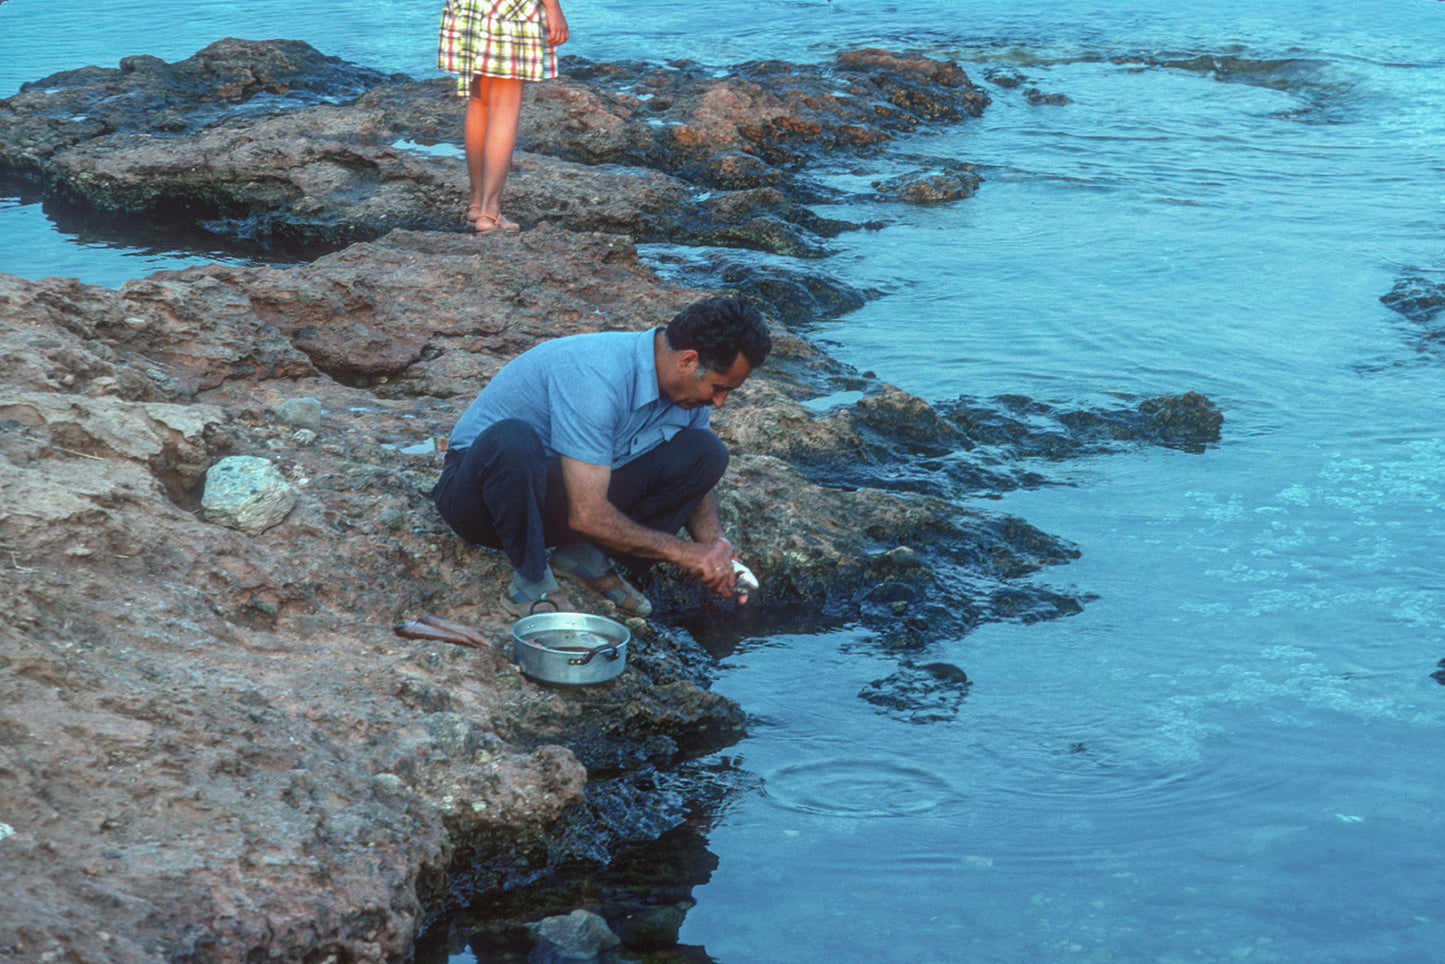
570,648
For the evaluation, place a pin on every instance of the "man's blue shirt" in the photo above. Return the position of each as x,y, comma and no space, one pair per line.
592,397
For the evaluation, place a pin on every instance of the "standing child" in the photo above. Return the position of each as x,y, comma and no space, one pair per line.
494,47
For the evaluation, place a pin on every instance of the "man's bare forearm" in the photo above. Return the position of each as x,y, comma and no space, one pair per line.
704,525
607,528
708,556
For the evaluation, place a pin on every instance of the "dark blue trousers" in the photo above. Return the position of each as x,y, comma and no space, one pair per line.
503,492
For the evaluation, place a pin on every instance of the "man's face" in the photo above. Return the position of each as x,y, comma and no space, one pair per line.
696,387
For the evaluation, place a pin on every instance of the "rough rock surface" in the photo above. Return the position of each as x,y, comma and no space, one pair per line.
214,743
675,154
213,747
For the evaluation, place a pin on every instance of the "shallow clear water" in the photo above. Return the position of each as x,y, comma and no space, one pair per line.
1233,752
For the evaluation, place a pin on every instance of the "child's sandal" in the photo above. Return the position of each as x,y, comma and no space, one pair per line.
487,222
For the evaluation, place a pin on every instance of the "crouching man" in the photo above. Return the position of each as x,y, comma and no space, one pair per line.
597,448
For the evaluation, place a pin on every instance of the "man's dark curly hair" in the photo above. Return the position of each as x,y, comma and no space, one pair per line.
719,329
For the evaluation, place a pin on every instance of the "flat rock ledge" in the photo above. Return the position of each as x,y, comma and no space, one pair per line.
275,143
213,746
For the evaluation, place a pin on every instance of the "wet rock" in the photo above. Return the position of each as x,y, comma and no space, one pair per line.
1417,298
895,597
642,889
758,126
1014,427
634,721
247,493
794,297
1038,98
276,146
1188,422
929,188
1005,79
228,77
654,927
1420,299
900,557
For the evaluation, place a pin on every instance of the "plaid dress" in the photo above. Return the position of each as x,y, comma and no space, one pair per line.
499,38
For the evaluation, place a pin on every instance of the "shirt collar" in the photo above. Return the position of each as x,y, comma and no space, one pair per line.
644,371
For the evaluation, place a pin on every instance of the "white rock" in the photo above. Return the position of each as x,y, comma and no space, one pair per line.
246,493
304,413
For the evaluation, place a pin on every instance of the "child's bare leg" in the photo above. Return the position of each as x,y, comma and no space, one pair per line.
490,135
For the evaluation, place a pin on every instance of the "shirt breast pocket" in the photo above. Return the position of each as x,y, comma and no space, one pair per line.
649,439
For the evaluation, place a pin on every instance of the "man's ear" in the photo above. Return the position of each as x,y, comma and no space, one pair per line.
687,360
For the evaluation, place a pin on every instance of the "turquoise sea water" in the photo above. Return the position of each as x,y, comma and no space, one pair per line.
1234,752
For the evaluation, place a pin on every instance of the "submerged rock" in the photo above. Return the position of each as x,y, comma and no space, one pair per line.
922,693
577,938
1417,298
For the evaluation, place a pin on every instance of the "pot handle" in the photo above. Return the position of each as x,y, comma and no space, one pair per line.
532,609
609,650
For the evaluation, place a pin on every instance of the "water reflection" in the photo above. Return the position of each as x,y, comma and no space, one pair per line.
49,236
643,895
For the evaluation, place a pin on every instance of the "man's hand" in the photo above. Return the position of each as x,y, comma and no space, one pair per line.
712,563
709,556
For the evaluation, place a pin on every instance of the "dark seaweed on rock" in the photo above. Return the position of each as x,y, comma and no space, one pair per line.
1420,300
794,297
1024,428
969,447
919,693
146,93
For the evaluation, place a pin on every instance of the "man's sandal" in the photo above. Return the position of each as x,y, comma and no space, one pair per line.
611,587
520,604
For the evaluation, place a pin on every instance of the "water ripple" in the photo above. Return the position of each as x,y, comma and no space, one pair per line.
858,788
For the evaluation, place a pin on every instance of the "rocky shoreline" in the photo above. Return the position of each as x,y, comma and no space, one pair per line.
214,746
